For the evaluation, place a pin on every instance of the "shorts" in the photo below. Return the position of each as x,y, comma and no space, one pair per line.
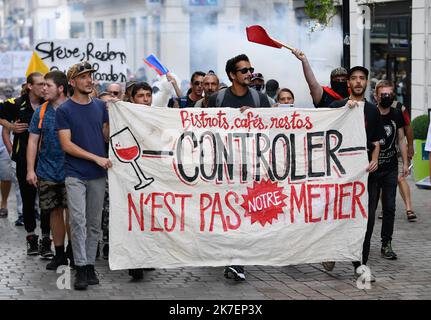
6,169
52,195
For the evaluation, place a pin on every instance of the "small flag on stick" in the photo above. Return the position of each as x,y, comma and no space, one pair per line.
155,64
259,35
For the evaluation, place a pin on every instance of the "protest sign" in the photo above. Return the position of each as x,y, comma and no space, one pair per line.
107,56
215,187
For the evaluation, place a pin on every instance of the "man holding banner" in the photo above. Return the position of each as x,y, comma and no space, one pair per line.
357,82
82,124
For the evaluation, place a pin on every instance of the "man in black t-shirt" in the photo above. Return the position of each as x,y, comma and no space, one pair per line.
358,81
387,174
239,95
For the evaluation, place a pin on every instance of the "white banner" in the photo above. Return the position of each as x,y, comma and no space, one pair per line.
215,187
107,56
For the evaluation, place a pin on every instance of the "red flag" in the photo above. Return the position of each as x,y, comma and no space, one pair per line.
259,35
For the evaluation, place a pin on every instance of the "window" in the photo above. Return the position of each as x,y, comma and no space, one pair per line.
114,28
99,29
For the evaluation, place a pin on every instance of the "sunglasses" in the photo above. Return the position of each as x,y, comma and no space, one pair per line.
197,83
114,93
245,70
84,66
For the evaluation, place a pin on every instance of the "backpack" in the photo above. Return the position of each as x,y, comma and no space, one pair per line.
254,94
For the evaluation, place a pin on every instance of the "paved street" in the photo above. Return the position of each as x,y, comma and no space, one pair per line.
409,277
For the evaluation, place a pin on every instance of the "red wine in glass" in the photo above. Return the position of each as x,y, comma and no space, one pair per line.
126,148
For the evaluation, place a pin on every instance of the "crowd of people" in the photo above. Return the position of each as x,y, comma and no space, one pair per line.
55,139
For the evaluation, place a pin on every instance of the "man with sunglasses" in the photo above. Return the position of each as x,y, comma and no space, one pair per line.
194,94
83,127
115,90
240,73
239,95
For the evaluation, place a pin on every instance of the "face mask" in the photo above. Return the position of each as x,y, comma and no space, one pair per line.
386,100
258,87
340,88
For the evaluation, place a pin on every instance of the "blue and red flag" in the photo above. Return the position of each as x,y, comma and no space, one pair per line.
155,64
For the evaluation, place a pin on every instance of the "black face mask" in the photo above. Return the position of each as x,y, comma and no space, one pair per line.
386,100
340,87
258,87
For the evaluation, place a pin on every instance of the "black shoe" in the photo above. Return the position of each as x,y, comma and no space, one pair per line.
69,255
19,222
91,275
45,248
234,272
3,213
105,251
387,252
59,260
136,274
32,247
81,278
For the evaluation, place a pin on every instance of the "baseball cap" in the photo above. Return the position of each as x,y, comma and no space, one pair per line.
257,76
359,68
130,84
78,69
340,71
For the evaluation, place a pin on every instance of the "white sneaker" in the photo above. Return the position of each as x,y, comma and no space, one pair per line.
365,272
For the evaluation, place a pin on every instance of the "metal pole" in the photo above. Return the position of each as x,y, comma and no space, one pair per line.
346,33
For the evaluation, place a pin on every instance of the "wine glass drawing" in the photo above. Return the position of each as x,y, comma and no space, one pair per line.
126,148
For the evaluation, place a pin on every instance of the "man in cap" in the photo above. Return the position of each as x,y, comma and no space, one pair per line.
258,82
323,96
86,163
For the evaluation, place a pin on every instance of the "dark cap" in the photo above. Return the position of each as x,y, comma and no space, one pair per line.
359,68
257,76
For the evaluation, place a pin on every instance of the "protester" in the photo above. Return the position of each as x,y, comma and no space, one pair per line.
258,82
115,90
272,88
8,176
211,85
193,95
82,124
19,112
142,93
239,95
285,96
48,174
324,96
387,173
129,87
357,82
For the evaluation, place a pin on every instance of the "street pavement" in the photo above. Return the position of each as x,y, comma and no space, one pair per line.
408,278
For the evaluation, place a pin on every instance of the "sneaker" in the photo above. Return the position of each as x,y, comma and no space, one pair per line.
32,247
92,278
69,255
136,274
364,270
105,251
234,272
3,213
20,221
328,265
81,278
387,252
58,260
45,248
